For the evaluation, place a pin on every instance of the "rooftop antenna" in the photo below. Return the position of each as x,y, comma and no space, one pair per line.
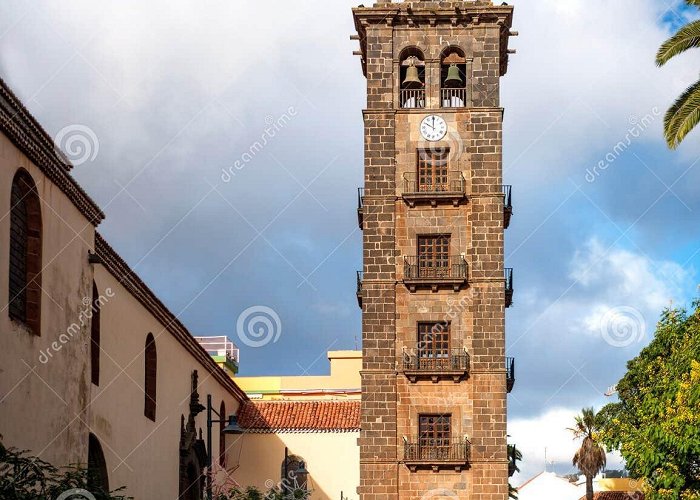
356,348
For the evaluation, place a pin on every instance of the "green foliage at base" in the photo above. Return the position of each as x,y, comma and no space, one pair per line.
24,477
252,493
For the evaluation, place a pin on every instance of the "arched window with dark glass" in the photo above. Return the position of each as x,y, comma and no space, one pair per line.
222,436
412,78
95,337
25,253
453,78
98,478
150,378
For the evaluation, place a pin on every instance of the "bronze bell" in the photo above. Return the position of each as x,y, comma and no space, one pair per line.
454,79
412,80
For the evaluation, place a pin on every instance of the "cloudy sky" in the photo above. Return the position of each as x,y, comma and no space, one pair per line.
169,94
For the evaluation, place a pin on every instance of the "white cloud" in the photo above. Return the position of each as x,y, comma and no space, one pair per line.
584,69
636,286
547,431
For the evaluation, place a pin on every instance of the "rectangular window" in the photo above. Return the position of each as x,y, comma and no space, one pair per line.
433,345
434,436
432,170
433,256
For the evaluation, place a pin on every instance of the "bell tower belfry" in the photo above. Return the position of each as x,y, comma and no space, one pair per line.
434,287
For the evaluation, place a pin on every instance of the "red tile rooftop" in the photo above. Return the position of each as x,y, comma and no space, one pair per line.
300,416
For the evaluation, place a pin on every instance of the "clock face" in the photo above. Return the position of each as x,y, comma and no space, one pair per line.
433,128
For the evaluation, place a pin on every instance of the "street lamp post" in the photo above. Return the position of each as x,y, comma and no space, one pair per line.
232,427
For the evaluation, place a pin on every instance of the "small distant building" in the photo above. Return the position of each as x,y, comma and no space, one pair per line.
548,486
343,382
312,420
223,351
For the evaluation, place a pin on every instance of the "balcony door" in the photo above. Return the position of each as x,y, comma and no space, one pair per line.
434,436
433,346
433,256
432,171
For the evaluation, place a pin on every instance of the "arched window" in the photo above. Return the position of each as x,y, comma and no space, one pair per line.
453,78
25,252
95,337
98,478
412,78
222,436
150,378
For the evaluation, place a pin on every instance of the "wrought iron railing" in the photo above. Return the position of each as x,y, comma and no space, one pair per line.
453,98
454,182
359,288
427,360
412,98
360,206
435,450
507,205
424,267
509,285
510,373
507,193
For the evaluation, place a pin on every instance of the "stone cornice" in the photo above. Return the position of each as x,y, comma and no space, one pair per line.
25,132
412,14
118,268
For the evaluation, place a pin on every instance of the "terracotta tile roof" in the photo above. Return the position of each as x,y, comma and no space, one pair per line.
616,495
300,416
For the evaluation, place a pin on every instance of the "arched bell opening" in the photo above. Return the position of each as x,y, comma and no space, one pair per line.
412,78
453,78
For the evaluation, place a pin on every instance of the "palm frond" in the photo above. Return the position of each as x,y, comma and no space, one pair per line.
682,116
687,37
693,2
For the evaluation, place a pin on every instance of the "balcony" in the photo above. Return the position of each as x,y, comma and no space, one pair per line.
451,189
360,207
439,454
453,98
421,364
510,374
359,288
412,98
441,272
509,286
507,205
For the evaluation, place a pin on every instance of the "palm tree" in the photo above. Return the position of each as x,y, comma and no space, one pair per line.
590,457
684,115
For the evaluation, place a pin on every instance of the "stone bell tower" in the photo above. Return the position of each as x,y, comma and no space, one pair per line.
434,288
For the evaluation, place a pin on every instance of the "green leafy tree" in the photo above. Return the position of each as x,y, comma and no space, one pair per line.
590,457
684,114
24,477
656,423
